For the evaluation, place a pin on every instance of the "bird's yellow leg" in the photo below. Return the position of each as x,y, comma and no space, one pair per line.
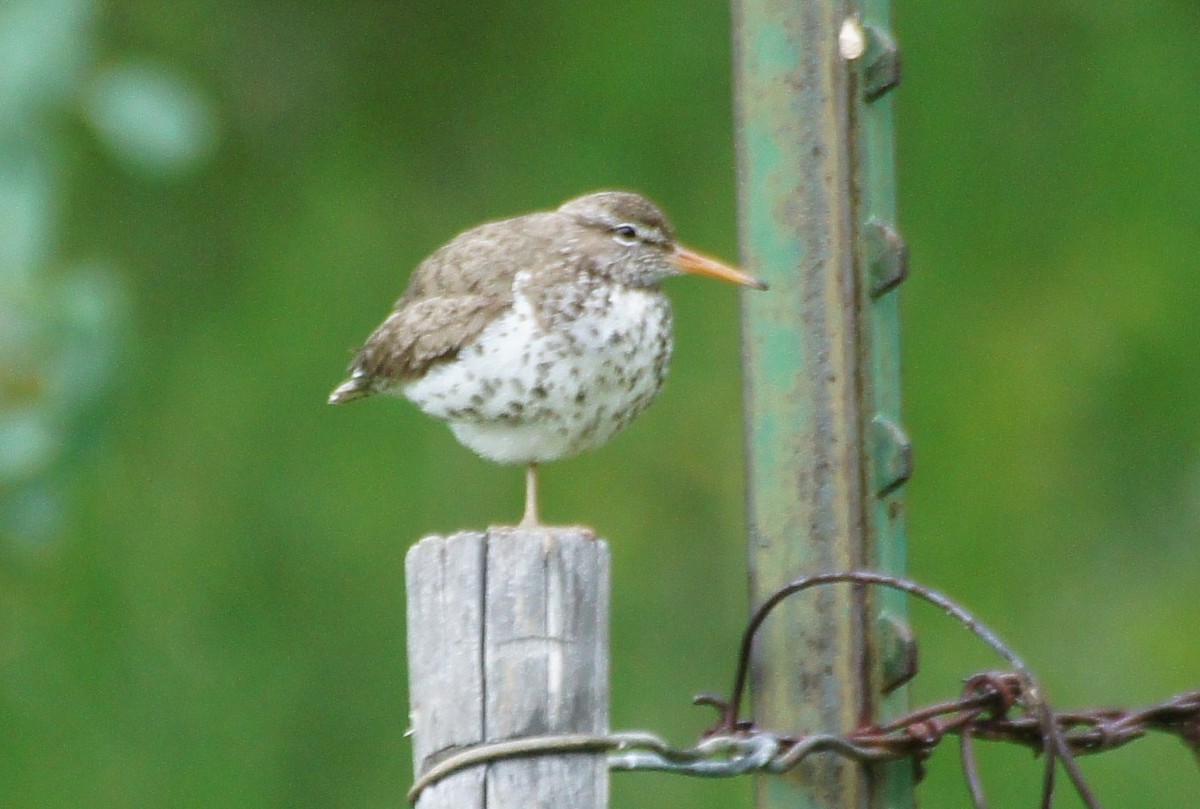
530,520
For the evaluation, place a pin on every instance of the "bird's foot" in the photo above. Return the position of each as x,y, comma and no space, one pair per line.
523,527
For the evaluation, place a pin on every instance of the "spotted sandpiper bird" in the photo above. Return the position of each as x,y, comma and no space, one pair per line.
540,336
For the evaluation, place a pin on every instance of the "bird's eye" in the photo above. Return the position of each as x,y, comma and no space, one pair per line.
625,234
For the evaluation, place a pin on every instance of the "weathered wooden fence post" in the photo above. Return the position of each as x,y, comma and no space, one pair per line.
826,453
507,639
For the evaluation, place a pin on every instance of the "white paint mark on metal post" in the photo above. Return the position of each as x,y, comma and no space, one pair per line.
852,39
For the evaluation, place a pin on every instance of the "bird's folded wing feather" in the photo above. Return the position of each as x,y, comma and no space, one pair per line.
451,298
422,332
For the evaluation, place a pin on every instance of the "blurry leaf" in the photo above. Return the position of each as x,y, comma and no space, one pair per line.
20,334
153,121
28,444
43,47
92,306
28,200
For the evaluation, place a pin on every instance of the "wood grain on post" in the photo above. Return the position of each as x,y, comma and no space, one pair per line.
508,638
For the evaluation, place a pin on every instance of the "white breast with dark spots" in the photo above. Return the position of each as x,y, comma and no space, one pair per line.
545,384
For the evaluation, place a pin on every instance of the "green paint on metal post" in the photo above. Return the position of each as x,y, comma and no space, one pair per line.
827,456
883,264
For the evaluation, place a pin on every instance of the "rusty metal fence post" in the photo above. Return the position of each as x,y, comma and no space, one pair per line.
826,454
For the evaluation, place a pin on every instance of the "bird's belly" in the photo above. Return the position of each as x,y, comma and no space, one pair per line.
529,389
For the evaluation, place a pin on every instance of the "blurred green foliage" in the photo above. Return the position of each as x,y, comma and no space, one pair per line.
214,616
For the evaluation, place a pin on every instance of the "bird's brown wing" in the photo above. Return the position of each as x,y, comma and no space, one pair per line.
452,296
422,332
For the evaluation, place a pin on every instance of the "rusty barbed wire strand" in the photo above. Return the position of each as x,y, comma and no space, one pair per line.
1054,747
981,712
966,753
1000,706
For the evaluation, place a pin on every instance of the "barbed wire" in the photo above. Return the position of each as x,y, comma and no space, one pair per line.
1001,706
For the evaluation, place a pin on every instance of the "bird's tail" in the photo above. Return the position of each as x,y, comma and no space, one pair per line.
356,387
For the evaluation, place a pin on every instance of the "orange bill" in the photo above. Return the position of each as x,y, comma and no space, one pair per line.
689,261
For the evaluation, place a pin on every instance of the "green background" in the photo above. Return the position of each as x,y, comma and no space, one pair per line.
215,614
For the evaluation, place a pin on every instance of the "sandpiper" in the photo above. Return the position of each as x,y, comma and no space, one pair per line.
540,336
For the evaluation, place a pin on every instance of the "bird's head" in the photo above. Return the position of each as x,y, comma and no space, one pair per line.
632,241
